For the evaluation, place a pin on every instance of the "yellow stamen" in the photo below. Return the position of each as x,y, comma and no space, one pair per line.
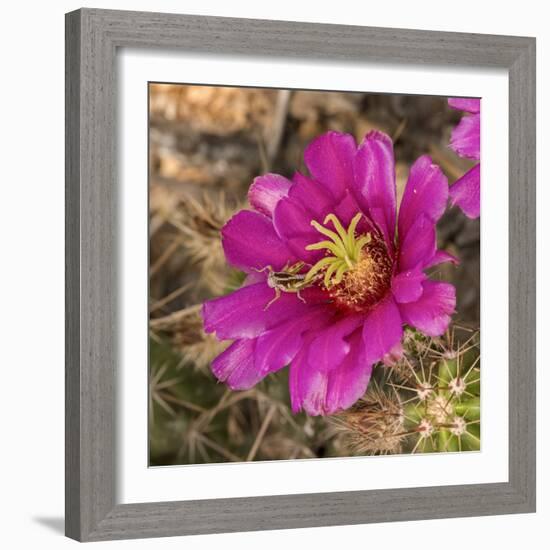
339,274
321,264
344,246
330,271
327,232
351,229
333,247
337,225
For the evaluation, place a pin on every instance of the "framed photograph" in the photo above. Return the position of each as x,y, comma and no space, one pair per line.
300,275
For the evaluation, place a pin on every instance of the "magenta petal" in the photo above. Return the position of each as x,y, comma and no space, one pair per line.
292,223
305,382
320,392
277,347
329,159
250,242
330,346
431,314
382,330
419,246
393,356
243,313
378,218
345,211
426,193
311,195
307,200
465,191
298,177
349,381
266,191
235,366
291,218
465,138
441,257
407,286
374,183
298,246
465,104
254,277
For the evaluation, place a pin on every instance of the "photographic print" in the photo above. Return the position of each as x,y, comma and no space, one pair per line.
313,274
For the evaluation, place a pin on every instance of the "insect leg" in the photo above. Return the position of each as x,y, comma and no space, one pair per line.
301,297
268,267
275,298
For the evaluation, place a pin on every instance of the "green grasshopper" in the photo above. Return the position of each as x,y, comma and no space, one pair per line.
288,280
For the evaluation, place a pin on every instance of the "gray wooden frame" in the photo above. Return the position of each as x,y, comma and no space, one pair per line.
92,39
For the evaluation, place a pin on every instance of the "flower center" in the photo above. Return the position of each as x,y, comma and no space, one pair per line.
356,270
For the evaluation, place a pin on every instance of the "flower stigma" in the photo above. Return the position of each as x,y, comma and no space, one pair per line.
356,269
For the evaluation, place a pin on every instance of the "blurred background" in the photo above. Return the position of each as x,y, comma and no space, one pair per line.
206,145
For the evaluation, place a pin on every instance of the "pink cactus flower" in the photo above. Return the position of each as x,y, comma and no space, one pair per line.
333,272
465,141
